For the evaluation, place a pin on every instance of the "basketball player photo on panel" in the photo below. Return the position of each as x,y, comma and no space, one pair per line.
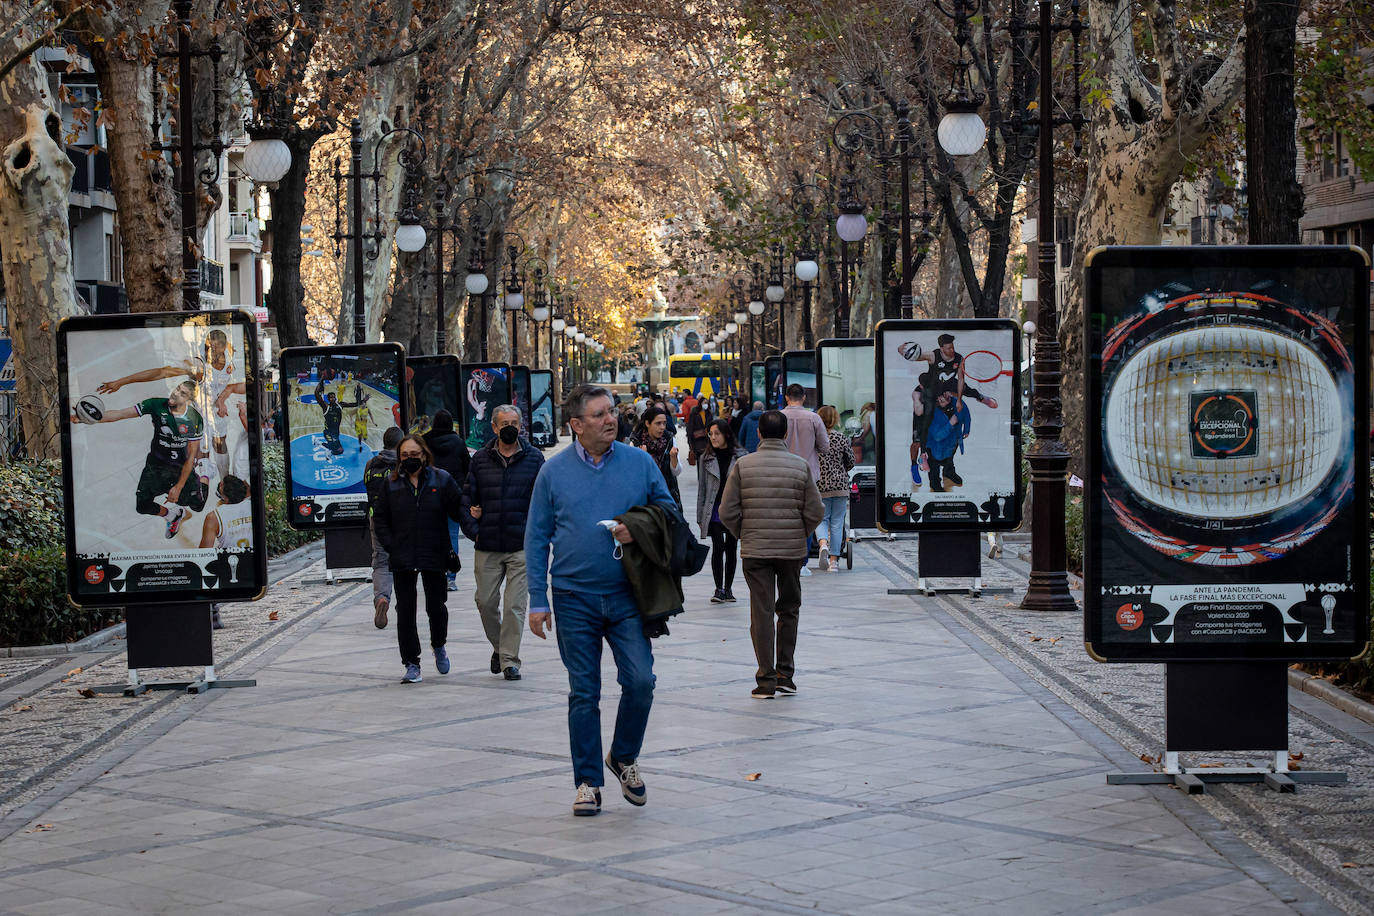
177,517
949,439
339,402
486,386
1227,445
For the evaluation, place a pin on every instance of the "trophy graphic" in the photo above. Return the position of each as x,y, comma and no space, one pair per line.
234,569
1328,606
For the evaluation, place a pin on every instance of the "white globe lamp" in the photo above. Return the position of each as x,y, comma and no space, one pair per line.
476,284
266,161
410,237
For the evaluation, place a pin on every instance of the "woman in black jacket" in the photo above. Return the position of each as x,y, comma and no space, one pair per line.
411,520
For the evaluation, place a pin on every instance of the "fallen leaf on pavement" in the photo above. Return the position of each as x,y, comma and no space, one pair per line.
22,708
1036,638
1351,865
1295,755
272,616
75,671
86,692
753,777
39,828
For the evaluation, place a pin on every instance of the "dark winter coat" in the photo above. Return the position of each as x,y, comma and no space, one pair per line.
450,453
503,490
412,523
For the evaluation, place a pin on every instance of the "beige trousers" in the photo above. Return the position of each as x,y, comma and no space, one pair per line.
503,629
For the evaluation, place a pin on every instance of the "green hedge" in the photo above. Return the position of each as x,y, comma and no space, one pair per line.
34,609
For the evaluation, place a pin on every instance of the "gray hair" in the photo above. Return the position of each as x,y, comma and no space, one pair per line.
579,396
506,408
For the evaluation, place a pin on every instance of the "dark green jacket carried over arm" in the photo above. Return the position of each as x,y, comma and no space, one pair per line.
647,562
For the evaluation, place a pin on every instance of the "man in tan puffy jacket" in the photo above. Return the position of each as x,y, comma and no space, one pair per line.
771,504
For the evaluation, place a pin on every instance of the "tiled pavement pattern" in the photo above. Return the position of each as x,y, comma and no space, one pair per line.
918,770
1325,835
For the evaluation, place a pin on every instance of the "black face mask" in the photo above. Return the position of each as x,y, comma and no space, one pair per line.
411,465
508,434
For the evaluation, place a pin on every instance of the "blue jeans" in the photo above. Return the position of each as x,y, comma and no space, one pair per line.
832,526
455,537
580,623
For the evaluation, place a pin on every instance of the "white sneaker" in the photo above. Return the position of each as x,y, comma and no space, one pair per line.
805,571
824,562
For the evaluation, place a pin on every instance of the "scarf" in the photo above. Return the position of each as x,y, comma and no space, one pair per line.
658,448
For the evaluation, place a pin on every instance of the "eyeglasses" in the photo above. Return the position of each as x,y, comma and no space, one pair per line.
599,415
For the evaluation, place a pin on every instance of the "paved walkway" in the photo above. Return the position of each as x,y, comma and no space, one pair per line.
917,770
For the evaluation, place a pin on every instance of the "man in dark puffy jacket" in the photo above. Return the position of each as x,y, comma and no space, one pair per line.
496,504
451,454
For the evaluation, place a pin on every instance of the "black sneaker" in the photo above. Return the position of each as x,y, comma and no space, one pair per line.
588,801
730,596
631,785
718,597
512,673
759,693
495,663
786,687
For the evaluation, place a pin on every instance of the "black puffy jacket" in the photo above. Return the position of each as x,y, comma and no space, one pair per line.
412,522
450,453
503,490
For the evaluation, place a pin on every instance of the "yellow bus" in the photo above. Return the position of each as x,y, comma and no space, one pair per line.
700,373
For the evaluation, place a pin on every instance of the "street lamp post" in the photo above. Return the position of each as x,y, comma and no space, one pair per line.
857,130
477,228
1048,457
410,234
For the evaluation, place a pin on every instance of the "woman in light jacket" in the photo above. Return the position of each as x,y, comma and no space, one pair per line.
834,487
713,466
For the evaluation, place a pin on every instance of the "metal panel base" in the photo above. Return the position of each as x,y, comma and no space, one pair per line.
347,549
1226,705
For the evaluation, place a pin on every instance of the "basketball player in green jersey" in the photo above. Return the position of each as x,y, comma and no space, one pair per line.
170,465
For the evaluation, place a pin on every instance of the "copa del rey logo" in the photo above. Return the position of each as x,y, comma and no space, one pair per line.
95,575
1130,616
899,509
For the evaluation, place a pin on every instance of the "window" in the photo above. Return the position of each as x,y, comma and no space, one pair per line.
1335,158
113,271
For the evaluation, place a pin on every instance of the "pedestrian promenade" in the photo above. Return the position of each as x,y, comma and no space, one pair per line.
919,769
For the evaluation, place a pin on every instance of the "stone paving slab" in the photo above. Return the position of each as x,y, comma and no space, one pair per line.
1324,835
936,761
910,775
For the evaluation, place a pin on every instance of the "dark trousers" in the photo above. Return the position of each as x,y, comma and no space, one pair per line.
724,549
774,589
436,598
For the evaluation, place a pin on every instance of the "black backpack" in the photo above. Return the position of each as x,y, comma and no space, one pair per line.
689,555
374,478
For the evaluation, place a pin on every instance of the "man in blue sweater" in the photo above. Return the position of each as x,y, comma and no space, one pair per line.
594,480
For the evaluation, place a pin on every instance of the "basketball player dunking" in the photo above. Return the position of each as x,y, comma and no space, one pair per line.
945,375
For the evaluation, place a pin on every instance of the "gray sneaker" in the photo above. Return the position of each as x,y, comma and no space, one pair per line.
588,801
631,783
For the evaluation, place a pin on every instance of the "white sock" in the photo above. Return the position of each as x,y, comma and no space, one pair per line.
222,463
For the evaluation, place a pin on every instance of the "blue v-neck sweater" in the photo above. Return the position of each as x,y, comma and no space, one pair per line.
570,497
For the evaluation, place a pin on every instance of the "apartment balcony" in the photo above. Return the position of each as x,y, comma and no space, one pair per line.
103,296
92,184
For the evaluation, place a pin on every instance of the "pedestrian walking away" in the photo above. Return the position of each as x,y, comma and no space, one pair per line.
653,437
806,437
770,502
749,428
375,474
577,495
496,504
712,468
450,454
834,487
411,521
